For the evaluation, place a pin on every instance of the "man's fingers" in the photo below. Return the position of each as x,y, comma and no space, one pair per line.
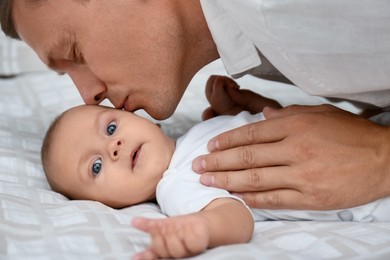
244,157
260,132
217,95
271,130
208,113
258,179
251,101
217,85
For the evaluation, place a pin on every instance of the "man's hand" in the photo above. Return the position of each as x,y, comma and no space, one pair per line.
303,158
174,237
226,98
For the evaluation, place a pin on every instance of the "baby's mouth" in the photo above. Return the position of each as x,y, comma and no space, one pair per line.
135,155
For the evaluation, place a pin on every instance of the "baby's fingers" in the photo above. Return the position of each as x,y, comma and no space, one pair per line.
141,223
161,236
145,255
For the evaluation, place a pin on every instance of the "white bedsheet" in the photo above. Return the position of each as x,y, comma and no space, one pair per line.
36,223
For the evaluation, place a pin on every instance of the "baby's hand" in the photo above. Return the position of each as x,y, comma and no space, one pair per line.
175,237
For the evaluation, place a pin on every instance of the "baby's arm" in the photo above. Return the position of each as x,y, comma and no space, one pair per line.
223,221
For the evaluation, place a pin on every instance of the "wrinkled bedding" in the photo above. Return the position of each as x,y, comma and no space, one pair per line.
37,223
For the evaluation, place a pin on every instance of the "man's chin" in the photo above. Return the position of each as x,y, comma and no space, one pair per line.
158,114
161,115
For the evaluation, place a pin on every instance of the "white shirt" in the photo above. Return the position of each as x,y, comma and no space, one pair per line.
332,48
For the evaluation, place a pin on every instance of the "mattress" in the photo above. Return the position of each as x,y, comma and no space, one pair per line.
37,223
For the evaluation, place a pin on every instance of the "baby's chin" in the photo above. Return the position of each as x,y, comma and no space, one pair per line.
120,204
114,204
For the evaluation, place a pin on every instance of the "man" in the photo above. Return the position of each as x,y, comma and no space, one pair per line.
141,54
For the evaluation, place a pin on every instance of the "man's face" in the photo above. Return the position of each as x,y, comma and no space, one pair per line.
109,155
130,52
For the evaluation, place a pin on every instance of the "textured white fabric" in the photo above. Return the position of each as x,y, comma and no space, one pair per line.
16,57
36,223
333,48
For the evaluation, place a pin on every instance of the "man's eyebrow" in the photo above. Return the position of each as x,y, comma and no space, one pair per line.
51,64
50,61
61,43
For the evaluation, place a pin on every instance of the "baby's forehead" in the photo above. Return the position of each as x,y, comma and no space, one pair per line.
82,113
86,109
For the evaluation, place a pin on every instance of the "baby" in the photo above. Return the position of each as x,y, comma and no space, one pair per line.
120,159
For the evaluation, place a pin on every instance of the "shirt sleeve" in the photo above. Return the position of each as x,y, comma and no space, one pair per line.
180,191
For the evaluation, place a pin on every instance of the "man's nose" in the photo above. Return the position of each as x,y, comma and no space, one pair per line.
92,89
114,148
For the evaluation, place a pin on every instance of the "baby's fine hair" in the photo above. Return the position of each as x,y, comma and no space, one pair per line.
46,151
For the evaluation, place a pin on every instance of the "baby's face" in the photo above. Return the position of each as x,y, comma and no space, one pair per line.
109,155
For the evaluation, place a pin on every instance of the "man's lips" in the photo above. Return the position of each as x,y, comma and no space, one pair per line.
125,104
129,105
120,104
134,156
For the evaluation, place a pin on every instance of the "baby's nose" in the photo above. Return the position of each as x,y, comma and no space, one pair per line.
115,147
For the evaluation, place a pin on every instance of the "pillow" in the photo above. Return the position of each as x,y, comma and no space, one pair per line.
17,57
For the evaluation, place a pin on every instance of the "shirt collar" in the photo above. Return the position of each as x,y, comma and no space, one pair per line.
237,51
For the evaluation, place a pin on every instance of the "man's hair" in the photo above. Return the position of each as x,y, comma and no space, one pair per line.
6,19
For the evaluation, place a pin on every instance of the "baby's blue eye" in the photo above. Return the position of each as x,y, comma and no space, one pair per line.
111,128
96,167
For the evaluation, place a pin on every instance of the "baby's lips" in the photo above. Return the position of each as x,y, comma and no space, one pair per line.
134,156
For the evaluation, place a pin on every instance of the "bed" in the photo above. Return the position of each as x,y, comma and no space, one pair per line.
37,223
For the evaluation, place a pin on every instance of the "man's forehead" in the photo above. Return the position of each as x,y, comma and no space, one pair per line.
34,3
41,27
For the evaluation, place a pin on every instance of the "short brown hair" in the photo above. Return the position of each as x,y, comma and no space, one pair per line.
6,20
